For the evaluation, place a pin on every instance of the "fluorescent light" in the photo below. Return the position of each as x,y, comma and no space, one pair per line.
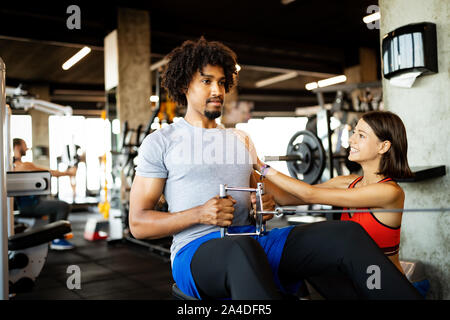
311,86
326,82
154,99
238,68
115,126
331,81
77,57
372,17
281,77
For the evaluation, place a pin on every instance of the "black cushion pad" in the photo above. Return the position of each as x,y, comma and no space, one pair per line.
38,236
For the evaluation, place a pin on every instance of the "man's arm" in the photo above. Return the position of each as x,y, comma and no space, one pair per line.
146,223
29,166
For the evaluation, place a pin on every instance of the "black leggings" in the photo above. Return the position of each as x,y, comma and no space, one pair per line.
333,256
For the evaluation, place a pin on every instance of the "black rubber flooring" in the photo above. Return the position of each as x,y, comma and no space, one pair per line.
122,270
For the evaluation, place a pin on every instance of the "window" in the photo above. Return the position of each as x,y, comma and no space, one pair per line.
21,127
261,132
92,135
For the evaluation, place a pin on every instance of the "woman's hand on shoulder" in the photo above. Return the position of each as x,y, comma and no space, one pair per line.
248,143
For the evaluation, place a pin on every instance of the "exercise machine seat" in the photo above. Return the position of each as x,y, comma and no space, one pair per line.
40,235
179,295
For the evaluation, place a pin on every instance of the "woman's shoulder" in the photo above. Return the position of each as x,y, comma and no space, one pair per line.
397,187
340,182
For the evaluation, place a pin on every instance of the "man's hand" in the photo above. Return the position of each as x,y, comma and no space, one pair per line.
217,211
268,205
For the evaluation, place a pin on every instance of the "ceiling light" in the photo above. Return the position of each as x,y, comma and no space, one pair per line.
326,82
311,86
372,17
331,81
77,57
281,77
154,99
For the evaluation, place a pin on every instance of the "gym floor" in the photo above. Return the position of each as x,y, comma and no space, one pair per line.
108,271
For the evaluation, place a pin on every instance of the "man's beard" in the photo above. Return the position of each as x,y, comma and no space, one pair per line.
23,153
211,115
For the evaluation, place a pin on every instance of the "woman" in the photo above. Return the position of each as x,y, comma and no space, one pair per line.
379,145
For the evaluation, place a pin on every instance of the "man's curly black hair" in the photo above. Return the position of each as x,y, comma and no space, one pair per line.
193,56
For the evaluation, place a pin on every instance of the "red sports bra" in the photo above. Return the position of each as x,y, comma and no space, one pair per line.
386,237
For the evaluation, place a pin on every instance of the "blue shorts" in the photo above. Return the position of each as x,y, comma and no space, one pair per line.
272,242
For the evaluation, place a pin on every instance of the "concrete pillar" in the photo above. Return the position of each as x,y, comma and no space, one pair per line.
127,69
134,87
425,111
39,123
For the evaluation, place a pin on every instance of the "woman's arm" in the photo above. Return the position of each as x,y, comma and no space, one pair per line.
280,196
371,196
284,198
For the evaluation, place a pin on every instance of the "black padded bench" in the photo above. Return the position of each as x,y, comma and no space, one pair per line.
40,235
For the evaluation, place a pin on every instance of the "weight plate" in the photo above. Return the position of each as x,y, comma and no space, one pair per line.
308,147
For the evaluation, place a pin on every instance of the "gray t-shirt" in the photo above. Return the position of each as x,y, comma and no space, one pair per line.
195,161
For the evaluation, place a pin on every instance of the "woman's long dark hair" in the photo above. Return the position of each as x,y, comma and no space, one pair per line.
389,126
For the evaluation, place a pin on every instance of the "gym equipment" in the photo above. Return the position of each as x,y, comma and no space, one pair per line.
21,183
96,229
281,211
33,241
104,207
306,160
259,226
20,99
124,168
305,157
28,253
180,295
28,250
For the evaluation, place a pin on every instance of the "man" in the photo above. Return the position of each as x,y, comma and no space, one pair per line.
189,159
35,205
